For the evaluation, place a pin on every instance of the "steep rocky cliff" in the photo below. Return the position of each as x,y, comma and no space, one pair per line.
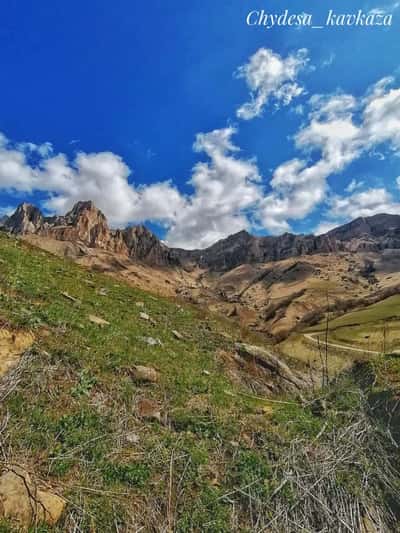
87,225
26,219
376,233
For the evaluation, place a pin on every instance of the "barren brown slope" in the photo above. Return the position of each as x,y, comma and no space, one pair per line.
271,284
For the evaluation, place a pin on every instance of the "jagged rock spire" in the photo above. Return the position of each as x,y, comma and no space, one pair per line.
27,218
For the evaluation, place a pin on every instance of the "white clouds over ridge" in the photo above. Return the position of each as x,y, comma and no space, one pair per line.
224,188
228,193
339,130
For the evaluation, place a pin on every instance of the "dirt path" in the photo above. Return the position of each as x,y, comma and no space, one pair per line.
310,337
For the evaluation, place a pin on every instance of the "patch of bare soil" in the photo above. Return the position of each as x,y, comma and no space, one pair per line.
12,345
67,249
158,280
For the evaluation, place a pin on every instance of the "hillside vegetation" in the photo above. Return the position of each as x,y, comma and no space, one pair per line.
191,450
374,327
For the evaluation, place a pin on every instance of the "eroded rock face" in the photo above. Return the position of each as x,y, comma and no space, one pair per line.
87,225
143,245
25,503
84,223
26,219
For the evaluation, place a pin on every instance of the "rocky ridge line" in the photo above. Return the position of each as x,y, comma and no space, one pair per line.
88,225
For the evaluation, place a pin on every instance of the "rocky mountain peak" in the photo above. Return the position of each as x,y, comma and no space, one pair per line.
85,209
87,225
143,245
27,218
84,223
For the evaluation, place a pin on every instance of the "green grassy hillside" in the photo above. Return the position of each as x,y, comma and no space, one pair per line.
375,327
216,460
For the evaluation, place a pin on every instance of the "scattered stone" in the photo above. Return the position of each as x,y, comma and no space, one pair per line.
267,368
149,409
12,345
97,320
232,312
69,297
206,372
23,502
152,342
267,410
132,438
145,373
139,304
144,316
177,335
102,292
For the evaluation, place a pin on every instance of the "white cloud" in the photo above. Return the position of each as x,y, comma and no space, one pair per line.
324,227
363,204
353,185
43,150
101,177
340,129
224,189
372,201
271,77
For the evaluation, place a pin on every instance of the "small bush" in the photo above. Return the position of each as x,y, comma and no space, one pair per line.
132,474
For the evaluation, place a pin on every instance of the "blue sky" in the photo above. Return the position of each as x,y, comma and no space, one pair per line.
141,106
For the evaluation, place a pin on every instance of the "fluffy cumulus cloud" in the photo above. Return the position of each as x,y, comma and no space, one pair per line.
101,177
363,204
339,130
369,202
228,193
270,77
224,188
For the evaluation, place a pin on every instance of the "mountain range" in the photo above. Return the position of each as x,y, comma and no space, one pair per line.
272,284
86,224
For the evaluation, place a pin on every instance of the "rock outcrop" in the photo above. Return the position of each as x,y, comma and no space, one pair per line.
261,371
25,502
84,223
142,244
26,219
87,225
